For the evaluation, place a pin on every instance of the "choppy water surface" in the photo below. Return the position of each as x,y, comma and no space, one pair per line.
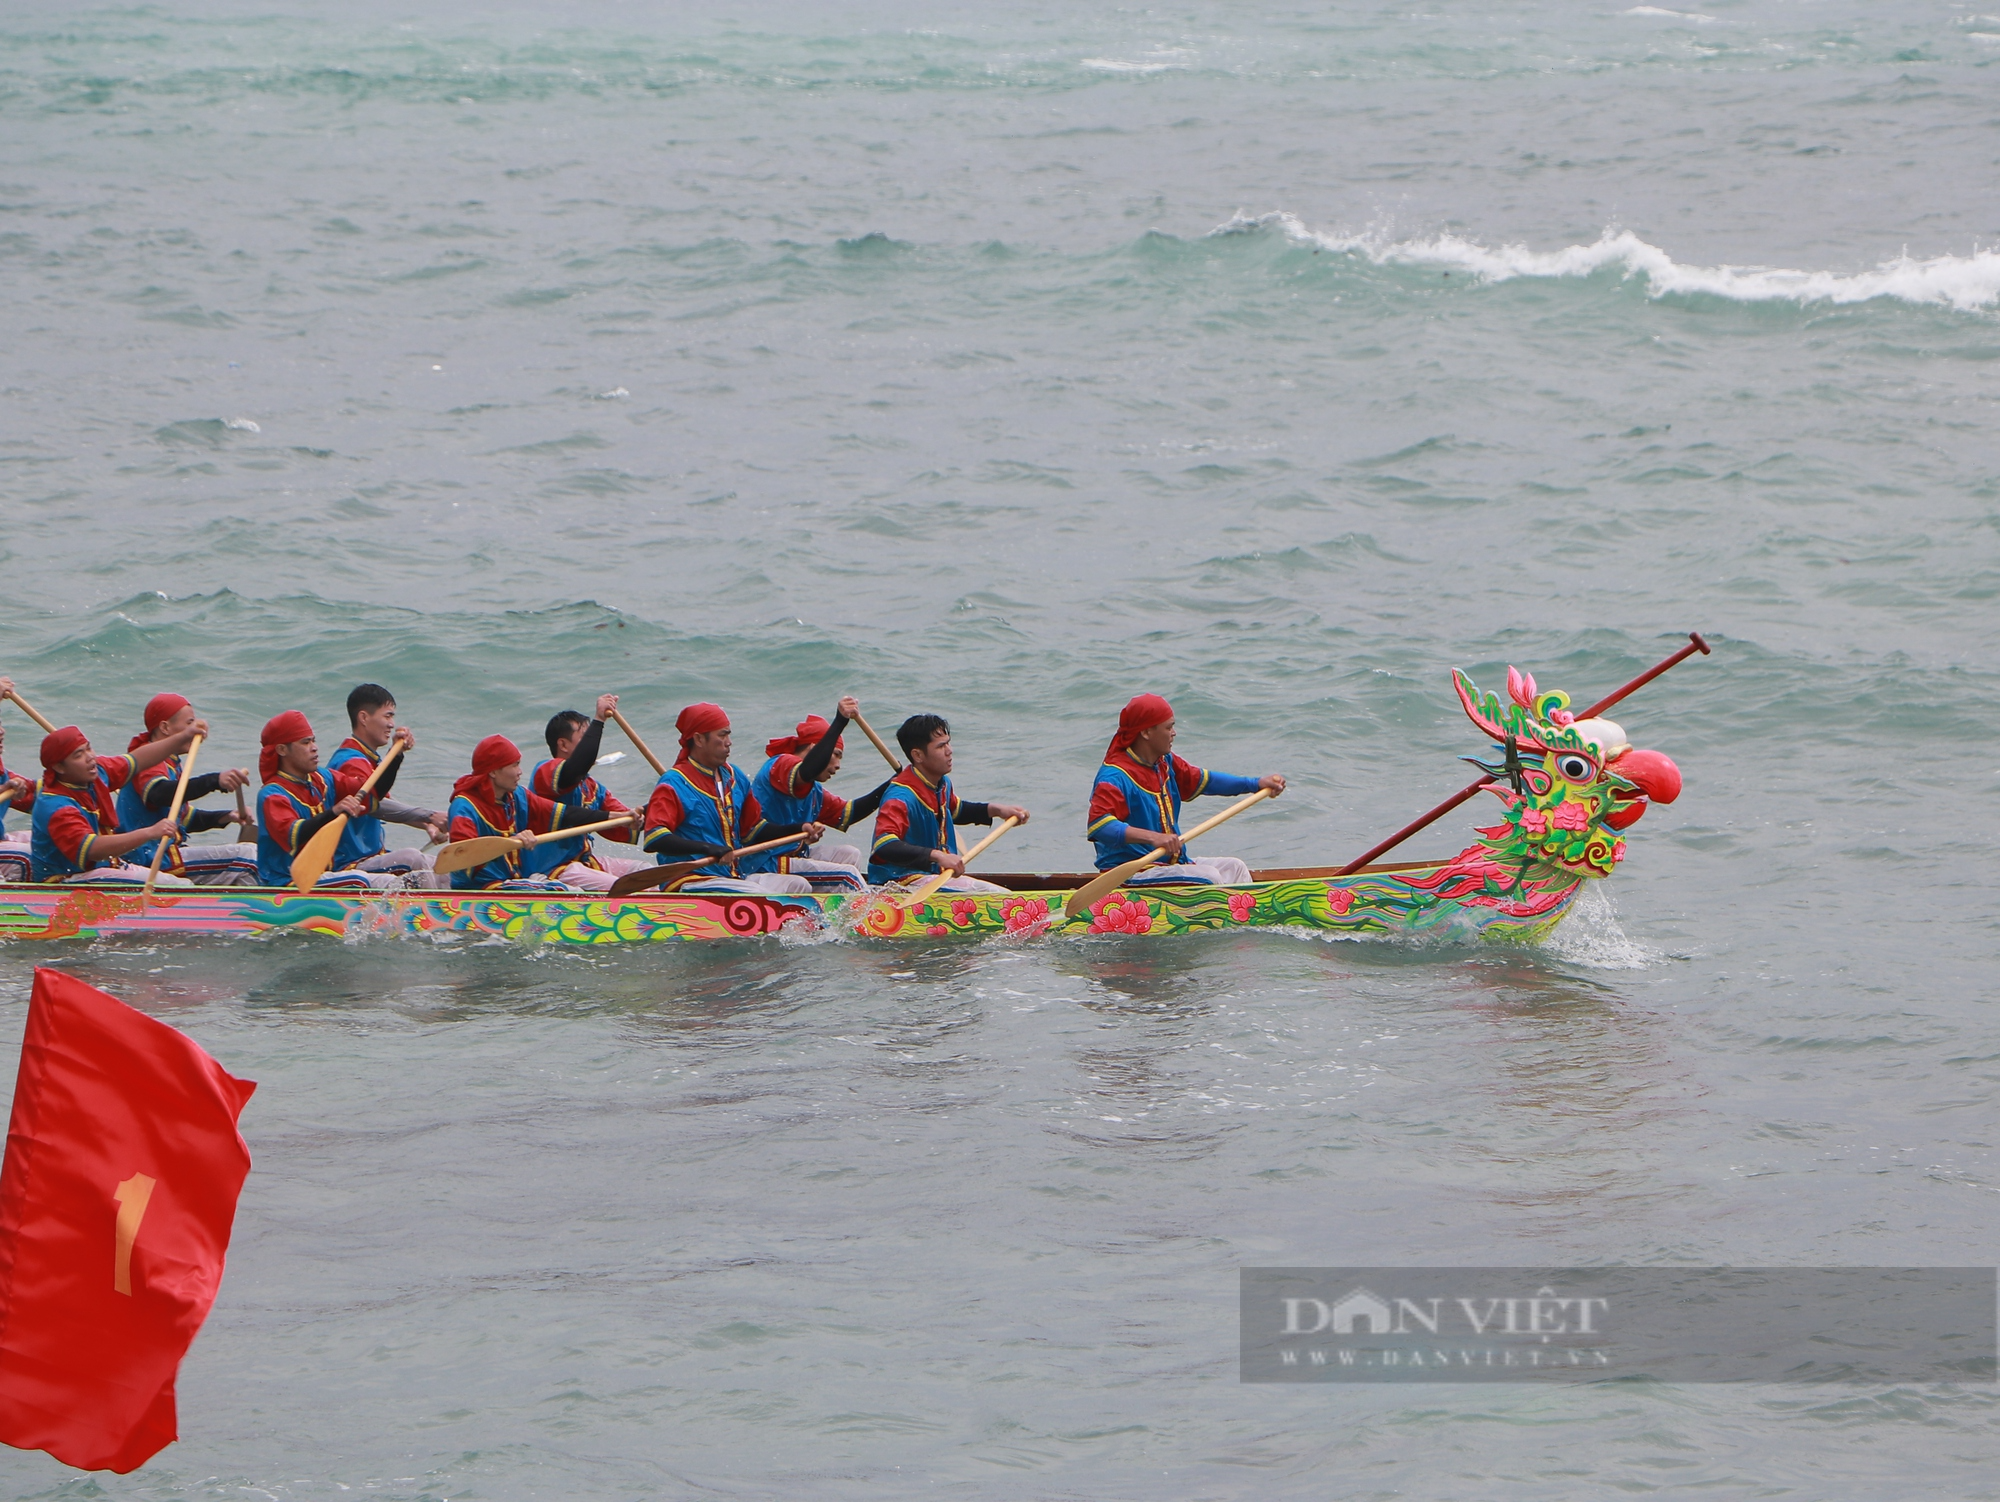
1007,362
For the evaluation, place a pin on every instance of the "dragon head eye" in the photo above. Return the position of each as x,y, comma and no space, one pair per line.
1576,767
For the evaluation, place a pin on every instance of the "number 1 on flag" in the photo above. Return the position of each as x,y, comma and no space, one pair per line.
132,1196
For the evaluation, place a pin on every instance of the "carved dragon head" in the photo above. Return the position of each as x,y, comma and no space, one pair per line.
1570,786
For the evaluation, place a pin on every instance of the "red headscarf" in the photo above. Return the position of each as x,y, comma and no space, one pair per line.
280,730
699,719
811,728
488,757
159,709
59,744
1141,715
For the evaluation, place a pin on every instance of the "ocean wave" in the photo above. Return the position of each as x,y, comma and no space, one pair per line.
1967,283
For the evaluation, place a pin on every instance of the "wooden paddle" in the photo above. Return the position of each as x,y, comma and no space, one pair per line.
47,728
660,876
659,767
1695,644
1117,876
173,817
930,884
887,755
463,855
310,864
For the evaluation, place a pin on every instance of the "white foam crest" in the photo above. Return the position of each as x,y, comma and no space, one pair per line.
1967,283
1671,15
1119,65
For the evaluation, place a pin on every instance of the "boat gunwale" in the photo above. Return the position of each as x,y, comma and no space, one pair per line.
1016,883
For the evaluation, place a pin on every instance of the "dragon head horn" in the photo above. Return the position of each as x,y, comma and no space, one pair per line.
1521,687
1498,720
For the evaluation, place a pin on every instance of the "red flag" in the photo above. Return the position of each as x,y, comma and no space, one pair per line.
119,1188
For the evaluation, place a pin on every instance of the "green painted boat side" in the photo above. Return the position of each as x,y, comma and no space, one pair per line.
1419,901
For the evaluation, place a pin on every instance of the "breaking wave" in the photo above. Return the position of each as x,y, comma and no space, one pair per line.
1967,283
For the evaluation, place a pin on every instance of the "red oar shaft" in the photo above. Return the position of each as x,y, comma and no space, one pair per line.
1695,644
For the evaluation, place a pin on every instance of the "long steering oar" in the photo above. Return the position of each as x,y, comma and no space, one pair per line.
660,876
1695,644
1117,876
173,817
310,864
659,767
29,709
930,884
463,855
887,755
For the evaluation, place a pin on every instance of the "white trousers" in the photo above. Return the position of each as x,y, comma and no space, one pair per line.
122,874
403,868
762,881
220,865
590,879
1216,870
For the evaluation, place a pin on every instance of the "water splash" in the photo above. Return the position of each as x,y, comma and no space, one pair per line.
1590,936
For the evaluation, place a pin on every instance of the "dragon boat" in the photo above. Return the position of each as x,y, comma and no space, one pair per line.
1567,788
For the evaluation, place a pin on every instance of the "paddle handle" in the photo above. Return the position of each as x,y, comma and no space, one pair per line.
1206,825
659,767
930,884
887,755
1110,881
640,880
395,750
173,816
1695,644
29,709
582,829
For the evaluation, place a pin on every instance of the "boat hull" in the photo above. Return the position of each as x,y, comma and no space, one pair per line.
1405,901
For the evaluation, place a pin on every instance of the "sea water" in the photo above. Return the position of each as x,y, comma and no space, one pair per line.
1004,362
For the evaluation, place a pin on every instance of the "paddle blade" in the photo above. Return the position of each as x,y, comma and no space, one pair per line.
310,864
1110,881
923,889
659,876
463,855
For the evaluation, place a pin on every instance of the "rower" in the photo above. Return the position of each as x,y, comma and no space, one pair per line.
788,788
17,793
1135,803
296,802
76,836
914,829
489,800
704,806
149,796
565,778
371,720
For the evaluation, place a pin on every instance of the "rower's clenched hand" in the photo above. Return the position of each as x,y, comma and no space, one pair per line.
6,688
813,833
849,706
1171,843
1274,784
407,736
232,779
607,706
944,860
1008,811
166,829
351,806
439,829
